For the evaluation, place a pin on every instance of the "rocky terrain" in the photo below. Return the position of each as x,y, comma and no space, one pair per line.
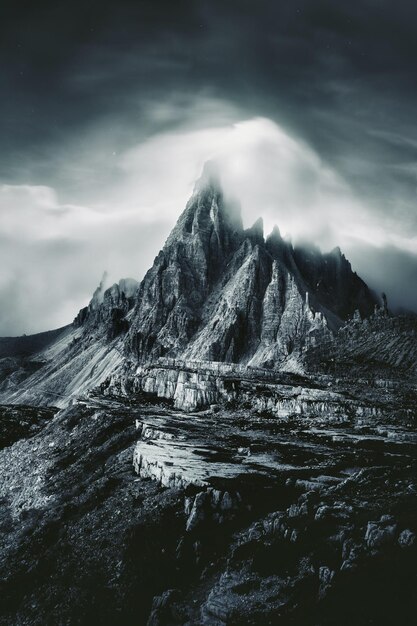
231,441
130,512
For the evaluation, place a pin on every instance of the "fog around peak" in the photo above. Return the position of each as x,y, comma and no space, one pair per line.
307,110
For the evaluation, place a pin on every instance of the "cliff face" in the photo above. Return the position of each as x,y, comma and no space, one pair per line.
107,310
219,292
172,294
330,277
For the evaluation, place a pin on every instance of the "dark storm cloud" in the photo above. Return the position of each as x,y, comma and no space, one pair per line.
399,273
81,81
332,70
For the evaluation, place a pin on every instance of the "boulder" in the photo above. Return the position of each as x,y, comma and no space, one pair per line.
381,533
407,538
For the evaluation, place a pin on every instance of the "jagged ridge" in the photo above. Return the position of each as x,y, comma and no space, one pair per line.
219,292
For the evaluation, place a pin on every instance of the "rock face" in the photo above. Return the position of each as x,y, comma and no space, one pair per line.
107,310
192,385
218,292
77,358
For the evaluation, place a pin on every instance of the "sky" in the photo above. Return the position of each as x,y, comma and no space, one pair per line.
109,110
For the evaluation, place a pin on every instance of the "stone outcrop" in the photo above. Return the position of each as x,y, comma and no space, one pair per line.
195,385
381,533
108,308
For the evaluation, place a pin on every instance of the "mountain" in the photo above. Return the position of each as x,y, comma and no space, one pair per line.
215,292
27,345
288,496
219,292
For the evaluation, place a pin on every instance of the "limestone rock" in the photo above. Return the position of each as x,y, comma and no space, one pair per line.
107,310
198,513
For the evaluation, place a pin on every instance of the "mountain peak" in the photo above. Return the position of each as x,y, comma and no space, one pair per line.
207,209
222,293
336,253
256,231
275,234
209,179
258,226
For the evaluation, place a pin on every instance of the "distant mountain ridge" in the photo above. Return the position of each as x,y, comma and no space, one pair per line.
27,345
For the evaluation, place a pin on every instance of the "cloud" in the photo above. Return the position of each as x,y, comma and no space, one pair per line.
390,269
53,253
272,173
52,256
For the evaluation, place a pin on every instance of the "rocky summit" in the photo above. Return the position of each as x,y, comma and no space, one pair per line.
230,441
218,292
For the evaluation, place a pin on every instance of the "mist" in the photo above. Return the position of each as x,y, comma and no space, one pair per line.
53,254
